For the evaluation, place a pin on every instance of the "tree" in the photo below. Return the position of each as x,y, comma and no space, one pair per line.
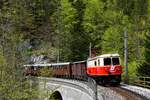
144,68
113,26
13,84
67,17
79,43
93,23
113,40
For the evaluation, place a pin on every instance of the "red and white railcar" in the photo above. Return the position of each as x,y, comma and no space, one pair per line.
105,68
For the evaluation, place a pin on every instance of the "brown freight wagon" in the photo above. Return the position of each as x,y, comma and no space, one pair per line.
61,69
78,69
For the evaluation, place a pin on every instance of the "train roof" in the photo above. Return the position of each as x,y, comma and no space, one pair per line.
109,55
48,64
36,65
79,62
104,56
57,64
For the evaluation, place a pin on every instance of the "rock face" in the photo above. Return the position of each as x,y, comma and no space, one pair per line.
41,59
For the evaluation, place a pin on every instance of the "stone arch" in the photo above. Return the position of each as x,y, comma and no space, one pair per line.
56,96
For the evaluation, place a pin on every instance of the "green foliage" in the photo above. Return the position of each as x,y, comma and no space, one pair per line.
144,68
93,23
13,85
115,21
67,22
133,69
79,40
46,72
112,40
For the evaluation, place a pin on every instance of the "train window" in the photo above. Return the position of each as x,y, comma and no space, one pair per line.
95,63
107,61
98,62
115,61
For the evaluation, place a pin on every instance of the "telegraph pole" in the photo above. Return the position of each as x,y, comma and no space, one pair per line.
90,54
126,54
58,28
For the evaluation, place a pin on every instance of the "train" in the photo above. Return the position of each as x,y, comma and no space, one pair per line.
103,69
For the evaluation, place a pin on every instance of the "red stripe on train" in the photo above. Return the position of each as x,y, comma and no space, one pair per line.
104,70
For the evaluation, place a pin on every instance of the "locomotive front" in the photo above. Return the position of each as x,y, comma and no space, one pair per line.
105,68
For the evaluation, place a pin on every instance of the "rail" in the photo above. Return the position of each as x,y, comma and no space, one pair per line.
140,81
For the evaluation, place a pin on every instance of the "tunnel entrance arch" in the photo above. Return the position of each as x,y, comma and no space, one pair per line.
56,96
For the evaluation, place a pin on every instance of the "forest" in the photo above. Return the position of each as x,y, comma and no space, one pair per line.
62,30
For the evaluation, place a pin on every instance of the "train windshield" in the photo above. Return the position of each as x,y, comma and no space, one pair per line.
107,61
115,61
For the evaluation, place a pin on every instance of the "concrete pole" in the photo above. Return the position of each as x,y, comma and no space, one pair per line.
126,54
58,54
58,28
90,50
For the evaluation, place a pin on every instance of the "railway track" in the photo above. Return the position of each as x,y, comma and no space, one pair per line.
117,93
